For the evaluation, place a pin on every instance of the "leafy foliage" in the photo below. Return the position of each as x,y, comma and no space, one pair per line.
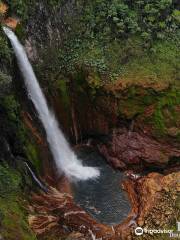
19,7
109,37
12,108
22,8
151,19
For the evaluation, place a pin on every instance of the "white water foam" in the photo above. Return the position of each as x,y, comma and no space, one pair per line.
65,159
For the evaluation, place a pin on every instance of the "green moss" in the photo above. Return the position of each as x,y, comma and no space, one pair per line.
130,108
14,220
127,60
160,64
159,120
9,181
5,51
133,101
63,91
17,128
168,101
5,84
32,154
13,217
164,118
12,107
20,31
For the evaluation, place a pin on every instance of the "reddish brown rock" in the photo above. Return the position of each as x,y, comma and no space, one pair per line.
127,147
123,230
28,121
155,203
56,212
158,195
11,22
3,8
154,200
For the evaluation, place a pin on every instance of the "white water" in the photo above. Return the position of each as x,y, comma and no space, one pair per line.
65,159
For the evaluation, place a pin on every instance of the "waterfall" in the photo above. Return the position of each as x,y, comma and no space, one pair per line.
65,159
39,183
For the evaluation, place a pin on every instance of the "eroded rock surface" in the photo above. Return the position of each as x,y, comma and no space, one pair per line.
56,212
126,148
155,204
159,202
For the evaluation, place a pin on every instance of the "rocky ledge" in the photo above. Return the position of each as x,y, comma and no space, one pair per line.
155,200
127,148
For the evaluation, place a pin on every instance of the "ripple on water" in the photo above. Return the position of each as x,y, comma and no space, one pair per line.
102,198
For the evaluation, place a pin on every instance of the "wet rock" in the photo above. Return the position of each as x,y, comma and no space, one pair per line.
133,148
152,207
54,210
11,22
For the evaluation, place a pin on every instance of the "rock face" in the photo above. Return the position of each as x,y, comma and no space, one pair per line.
8,21
56,213
11,22
52,33
128,148
86,102
88,105
155,204
159,201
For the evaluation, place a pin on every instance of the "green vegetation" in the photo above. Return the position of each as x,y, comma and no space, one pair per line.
123,38
151,107
136,42
5,52
16,128
13,178
12,108
165,114
31,151
151,19
20,7
5,83
12,214
133,43
9,178
24,8
160,65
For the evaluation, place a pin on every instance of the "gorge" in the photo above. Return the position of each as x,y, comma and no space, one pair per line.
108,80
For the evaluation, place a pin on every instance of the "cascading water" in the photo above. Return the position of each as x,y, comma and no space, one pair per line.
65,159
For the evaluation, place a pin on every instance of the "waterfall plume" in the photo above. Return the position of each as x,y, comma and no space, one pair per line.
65,159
